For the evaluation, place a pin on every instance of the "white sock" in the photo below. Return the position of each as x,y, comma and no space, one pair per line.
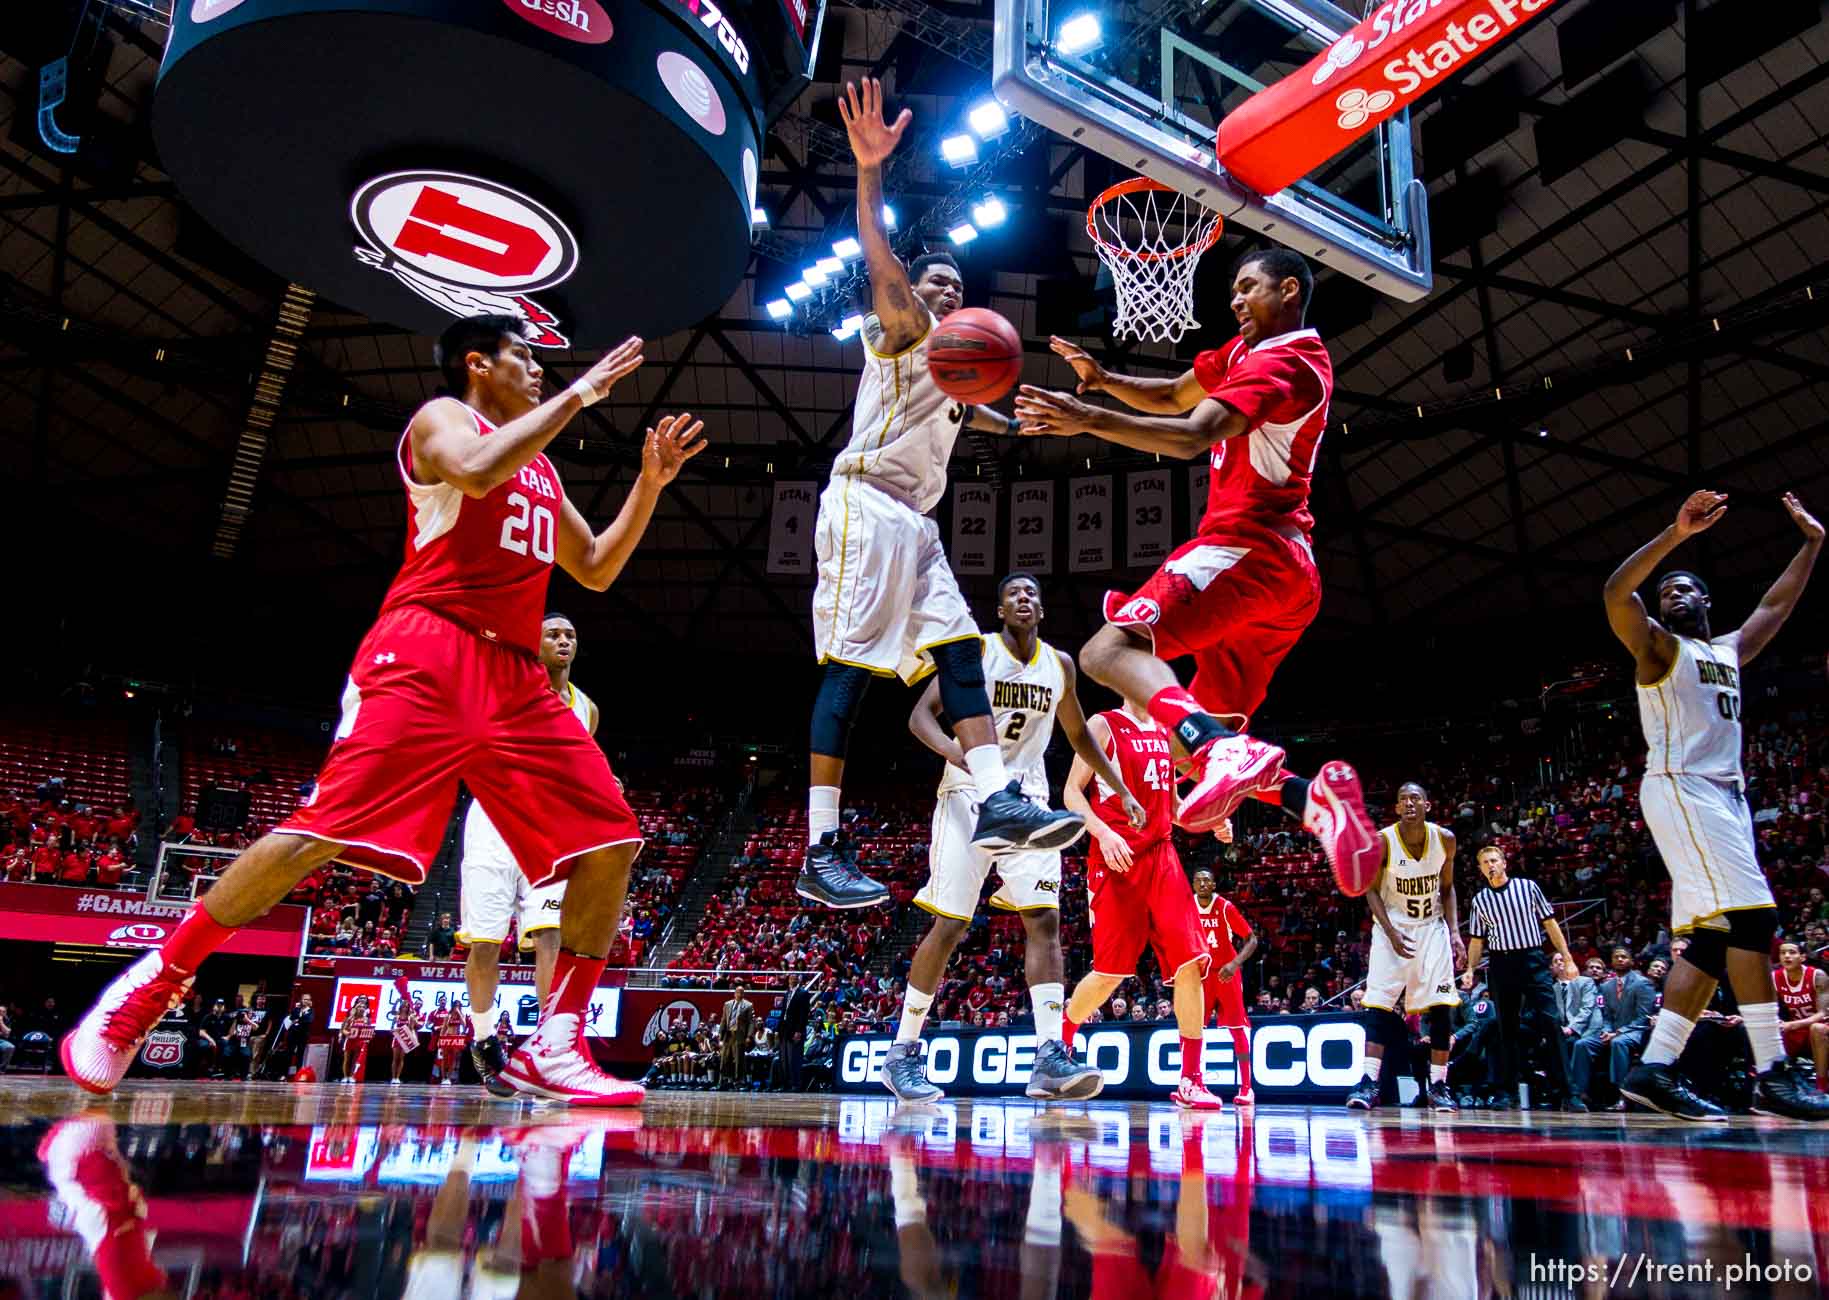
1762,1030
1438,1073
1049,1002
482,1024
1043,1226
1668,1035
915,1005
985,763
822,811
1373,1064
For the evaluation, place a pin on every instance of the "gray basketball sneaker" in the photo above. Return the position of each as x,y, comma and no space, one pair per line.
905,1074
1058,1077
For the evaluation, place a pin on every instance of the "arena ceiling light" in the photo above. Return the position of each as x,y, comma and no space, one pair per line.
813,277
959,150
848,248
798,291
989,120
963,233
1079,34
831,266
990,213
758,217
888,217
847,327
780,309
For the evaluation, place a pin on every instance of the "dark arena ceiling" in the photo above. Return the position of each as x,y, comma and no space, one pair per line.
1632,298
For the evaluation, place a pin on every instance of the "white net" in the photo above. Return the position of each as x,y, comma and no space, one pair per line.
1151,238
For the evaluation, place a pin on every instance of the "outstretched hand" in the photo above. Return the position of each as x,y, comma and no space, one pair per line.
1701,512
1806,522
872,139
615,365
1091,374
669,445
1042,413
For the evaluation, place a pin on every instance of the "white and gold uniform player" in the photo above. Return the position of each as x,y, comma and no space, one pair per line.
1415,944
886,603
1031,687
493,887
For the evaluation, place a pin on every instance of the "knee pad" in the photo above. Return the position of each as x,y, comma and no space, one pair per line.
1753,929
961,668
1441,1027
1707,952
1388,1029
841,692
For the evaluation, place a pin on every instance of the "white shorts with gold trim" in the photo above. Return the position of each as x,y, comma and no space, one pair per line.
1704,833
957,869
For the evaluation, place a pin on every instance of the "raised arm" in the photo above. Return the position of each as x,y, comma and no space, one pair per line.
1061,415
595,559
1172,396
1652,647
1072,719
902,315
447,447
924,722
1763,623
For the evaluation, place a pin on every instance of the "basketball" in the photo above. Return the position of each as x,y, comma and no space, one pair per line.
975,355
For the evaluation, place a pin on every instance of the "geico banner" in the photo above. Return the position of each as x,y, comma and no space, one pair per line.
1402,51
974,549
422,1157
790,528
1293,1058
1032,527
1089,537
1148,538
522,1004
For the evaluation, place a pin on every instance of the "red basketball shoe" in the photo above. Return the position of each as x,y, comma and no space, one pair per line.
1336,816
82,1161
1193,1095
98,1051
553,1063
1230,769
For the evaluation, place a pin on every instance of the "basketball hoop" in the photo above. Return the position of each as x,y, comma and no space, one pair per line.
1152,237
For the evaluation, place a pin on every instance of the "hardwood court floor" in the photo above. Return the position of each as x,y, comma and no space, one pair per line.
209,1189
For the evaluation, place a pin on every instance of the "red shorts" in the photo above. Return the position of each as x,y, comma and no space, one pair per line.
1228,996
1796,1038
429,704
1151,903
1120,1275
1237,603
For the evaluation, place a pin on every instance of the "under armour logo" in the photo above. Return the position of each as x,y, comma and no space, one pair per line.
386,657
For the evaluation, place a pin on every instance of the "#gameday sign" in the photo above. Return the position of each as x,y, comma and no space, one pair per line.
1396,56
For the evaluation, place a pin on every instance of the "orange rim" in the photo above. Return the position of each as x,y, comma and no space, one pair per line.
1137,185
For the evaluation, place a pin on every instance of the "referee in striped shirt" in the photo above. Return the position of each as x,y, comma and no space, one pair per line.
1511,917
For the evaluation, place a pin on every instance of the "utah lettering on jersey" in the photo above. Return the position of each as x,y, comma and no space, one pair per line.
1032,697
534,481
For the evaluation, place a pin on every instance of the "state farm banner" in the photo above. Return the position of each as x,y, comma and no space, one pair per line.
1198,478
1147,540
974,549
1032,527
1403,50
114,918
1089,538
790,528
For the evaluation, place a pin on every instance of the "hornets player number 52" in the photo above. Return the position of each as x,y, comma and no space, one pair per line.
1695,806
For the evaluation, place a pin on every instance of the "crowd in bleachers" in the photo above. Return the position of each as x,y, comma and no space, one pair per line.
48,835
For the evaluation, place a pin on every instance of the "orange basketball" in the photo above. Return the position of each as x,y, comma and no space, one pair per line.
975,355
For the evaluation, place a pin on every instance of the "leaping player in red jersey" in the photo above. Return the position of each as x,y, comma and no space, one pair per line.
1803,998
445,687
1138,891
1240,594
1222,923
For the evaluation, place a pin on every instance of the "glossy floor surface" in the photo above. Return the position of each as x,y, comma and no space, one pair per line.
441,1194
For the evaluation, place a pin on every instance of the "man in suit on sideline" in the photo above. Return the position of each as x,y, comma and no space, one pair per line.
794,1013
1577,1006
1627,1000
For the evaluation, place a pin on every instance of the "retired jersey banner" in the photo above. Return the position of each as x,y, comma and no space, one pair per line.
790,528
1032,527
1198,478
1089,541
1403,50
974,549
1147,539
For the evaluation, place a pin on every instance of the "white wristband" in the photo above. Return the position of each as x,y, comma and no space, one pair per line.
583,390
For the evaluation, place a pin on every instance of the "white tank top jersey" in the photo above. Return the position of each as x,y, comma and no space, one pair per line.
1023,700
579,703
1692,716
903,427
1411,886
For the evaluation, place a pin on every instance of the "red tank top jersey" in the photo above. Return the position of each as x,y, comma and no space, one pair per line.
1219,923
1282,387
1140,752
1795,1003
483,563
